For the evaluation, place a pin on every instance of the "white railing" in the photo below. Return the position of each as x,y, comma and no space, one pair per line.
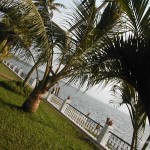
55,101
98,133
116,143
92,127
12,66
19,72
23,75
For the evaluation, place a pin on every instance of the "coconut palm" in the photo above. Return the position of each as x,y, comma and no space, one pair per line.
126,94
72,53
46,9
81,21
127,57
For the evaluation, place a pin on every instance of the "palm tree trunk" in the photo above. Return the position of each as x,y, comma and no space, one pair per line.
31,104
30,73
145,96
134,139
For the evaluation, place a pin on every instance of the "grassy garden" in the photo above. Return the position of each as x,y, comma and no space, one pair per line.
45,129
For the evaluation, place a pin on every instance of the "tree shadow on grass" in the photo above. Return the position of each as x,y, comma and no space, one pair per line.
12,106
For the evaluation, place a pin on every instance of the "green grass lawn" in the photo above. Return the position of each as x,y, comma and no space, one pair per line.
46,129
2,78
4,70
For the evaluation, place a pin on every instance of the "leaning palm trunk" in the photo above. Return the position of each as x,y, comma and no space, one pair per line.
134,139
25,82
32,102
146,143
126,94
145,95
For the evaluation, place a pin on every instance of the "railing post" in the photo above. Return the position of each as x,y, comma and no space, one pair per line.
34,83
64,104
105,133
20,71
10,65
14,68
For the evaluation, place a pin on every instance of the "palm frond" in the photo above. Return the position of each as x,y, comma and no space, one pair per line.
137,13
25,16
87,36
126,94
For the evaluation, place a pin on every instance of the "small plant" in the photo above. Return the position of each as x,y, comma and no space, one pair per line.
17,87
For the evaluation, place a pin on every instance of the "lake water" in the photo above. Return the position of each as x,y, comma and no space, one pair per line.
98,110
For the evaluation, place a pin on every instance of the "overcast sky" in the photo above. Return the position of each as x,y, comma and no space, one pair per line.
103,95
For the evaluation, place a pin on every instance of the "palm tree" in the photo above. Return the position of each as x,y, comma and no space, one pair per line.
72,53
126,94
126,58
81,21
46,8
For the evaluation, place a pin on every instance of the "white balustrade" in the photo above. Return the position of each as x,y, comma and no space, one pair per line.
49,96
102,135
56,101
16,70
84,122
114,142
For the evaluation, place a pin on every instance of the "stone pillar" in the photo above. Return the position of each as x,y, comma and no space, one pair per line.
10,64
20,71
65,104
105,133
34,83
14,68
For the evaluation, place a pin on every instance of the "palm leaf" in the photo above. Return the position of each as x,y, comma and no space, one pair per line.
25,16
126,94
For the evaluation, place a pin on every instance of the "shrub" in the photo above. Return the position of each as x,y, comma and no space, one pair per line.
17,87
